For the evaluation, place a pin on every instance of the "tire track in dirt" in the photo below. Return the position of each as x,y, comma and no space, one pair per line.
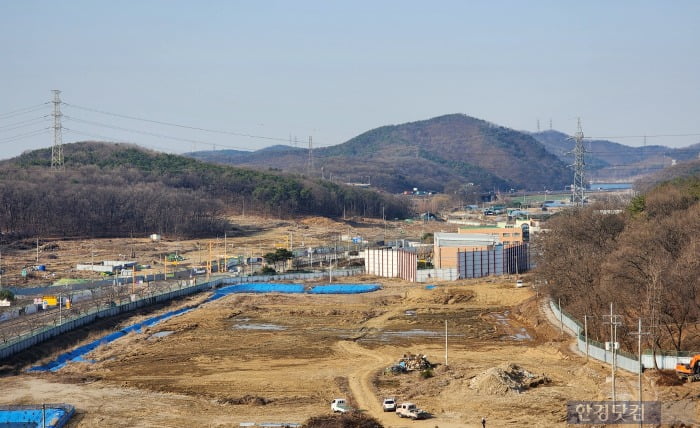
364,363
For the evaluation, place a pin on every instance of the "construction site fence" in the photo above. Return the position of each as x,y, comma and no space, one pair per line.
180,289
664,360
446,274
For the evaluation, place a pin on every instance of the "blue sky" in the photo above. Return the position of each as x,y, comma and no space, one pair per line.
332,69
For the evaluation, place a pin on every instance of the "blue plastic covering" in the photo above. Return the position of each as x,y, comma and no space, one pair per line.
55,417
429,287
77,354
259,287
344,288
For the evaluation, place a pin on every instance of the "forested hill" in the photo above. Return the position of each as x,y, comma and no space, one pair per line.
442,154
120,189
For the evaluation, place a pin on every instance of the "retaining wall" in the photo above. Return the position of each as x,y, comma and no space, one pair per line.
597,350
23,342
446,274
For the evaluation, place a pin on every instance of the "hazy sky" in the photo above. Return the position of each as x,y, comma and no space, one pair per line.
333,69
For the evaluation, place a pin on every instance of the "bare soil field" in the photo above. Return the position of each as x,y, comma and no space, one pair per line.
283,358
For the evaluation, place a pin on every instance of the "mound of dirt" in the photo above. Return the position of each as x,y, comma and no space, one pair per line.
664,377
319,221
506,378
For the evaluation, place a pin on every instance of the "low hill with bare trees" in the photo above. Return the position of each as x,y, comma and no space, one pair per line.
644,260
121,189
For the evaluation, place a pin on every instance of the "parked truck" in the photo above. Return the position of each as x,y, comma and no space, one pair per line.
409,410
339,405
690,371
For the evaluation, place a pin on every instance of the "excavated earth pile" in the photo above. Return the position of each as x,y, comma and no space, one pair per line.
506,378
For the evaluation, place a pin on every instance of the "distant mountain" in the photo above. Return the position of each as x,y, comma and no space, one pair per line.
610,161
243,157
680,171
441,154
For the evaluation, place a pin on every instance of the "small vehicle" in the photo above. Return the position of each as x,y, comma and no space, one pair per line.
409,410
389,405
519,283
339,405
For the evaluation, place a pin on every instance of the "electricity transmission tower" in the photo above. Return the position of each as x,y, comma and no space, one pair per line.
578,188
310,162
57,149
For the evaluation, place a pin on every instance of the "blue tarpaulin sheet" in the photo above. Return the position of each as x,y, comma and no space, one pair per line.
78,353
55,417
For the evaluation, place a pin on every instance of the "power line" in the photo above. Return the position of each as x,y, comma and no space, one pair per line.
22,136
152,134
645,136
22,124
195,128
23,110
116,140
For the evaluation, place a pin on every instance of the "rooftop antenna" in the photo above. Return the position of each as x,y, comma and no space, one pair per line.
578,189
57,149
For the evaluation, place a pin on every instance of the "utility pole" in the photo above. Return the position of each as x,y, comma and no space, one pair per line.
585,333
639,334
209,266
445,343
613,345
578,188
57,149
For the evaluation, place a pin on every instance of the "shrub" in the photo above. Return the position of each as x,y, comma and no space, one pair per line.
427,373
6,295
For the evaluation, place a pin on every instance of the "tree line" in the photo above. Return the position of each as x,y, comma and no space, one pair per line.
644,260
120,189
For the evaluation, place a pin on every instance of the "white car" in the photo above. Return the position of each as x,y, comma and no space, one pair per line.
519,283
389,405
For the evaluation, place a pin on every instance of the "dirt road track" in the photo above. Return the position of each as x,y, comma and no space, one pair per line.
366,364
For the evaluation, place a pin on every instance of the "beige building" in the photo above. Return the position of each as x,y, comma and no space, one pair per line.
447,245
508,235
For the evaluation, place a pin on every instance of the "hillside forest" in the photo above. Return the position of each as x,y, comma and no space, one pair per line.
644,260
111,190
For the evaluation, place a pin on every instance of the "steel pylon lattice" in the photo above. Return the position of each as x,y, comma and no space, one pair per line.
57,148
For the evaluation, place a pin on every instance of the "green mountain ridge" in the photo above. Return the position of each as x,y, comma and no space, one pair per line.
442,154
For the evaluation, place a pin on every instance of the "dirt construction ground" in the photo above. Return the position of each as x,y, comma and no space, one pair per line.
283,358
